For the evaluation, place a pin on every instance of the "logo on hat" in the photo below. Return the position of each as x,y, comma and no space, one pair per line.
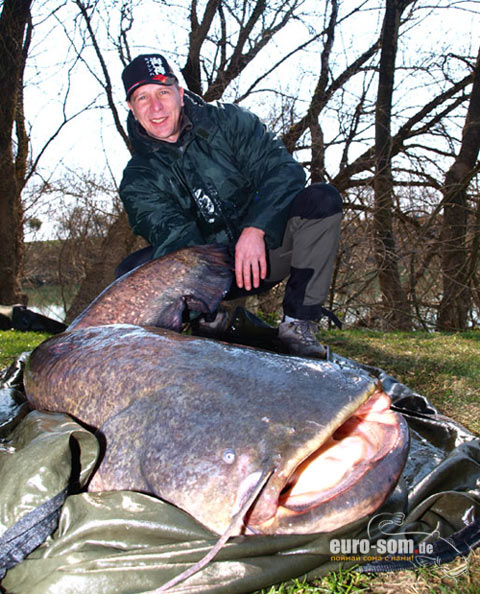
146,69
155,66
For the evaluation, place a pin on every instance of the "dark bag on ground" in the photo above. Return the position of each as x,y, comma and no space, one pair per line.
19,317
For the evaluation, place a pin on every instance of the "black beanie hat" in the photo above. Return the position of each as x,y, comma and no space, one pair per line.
145,70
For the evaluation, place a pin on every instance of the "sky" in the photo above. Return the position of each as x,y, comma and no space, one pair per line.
90,143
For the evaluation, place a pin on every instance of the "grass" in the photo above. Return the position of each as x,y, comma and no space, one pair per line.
443,367
457,577
13,343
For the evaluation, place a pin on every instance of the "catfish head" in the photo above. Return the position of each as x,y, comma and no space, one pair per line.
223,418
348,477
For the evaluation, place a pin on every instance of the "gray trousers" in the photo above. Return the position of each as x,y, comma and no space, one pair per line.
307,254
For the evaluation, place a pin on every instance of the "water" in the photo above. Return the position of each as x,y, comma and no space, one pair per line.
48,300
51,310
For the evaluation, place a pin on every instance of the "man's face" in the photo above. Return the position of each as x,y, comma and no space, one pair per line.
157,108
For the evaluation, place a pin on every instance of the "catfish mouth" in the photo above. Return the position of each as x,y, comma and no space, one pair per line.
327,489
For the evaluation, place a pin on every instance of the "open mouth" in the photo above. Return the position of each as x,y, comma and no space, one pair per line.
371,444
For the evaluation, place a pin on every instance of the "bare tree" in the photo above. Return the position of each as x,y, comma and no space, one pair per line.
459,261
396,307
14,39
119,241
240,31
326,87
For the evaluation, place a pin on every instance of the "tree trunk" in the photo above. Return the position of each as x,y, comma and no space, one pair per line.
13,20
456,266
396,307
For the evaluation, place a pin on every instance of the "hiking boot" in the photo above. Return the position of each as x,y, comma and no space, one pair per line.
299,339
211,325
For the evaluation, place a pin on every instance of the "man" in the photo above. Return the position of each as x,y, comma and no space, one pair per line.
211,173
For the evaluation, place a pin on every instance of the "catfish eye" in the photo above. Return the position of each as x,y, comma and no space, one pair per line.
229,456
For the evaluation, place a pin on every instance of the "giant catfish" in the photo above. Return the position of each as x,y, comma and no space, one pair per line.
207,425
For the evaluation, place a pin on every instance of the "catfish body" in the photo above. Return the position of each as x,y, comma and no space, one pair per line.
198,422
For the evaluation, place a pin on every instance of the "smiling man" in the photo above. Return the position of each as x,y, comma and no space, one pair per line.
158,109
211,173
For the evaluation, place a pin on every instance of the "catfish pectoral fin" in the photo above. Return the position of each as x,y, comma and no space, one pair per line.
170,317
212,280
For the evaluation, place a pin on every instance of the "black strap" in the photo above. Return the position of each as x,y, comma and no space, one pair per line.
331,316
29,532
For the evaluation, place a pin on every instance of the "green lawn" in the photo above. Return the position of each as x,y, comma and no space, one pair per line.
443,367
12,343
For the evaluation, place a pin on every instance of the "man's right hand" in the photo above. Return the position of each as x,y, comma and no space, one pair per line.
250,258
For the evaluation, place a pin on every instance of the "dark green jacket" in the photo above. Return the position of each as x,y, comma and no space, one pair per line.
225,173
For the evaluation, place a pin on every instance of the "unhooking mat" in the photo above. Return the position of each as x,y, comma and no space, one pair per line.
56,538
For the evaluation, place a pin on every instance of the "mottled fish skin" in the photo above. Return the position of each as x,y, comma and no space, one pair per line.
170,406
196,421
157,293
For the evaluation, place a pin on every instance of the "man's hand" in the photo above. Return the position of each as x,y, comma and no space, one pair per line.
250,258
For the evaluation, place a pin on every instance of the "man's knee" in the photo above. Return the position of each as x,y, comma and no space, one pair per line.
133,260
317,201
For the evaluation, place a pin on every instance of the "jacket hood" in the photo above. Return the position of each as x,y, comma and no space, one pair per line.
195,108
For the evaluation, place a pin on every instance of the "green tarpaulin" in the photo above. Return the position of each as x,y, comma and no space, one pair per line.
55,538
